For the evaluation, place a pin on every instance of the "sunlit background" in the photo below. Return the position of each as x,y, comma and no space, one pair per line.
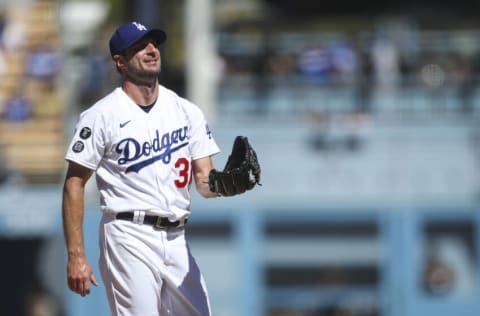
364,115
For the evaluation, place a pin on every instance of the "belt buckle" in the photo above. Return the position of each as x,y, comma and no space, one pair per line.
158,223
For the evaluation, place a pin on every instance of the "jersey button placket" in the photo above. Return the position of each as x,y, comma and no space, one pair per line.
153,133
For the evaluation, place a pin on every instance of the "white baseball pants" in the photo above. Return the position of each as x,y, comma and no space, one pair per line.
149,272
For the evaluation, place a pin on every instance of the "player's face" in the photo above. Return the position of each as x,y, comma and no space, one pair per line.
143,59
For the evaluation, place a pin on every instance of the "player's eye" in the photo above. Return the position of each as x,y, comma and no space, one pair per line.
131,51
142,45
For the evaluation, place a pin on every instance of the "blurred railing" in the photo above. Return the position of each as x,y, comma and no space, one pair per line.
241,96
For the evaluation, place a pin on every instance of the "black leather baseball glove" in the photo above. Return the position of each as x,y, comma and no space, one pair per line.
241,173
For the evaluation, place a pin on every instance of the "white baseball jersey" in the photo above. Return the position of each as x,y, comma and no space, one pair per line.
142,160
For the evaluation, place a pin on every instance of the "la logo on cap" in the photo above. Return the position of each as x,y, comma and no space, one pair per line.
130,33
139,26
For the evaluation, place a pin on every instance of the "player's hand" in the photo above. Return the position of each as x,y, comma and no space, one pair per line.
80,275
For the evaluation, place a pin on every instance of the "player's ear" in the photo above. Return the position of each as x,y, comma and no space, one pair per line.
119,61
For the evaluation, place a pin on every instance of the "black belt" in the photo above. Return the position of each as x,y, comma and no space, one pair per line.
156,221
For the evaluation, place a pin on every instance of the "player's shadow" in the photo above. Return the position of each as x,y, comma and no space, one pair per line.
192,287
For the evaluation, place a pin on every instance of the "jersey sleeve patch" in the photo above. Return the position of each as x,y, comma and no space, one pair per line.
78,147
85,132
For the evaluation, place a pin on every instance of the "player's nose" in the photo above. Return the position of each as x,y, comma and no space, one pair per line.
151,48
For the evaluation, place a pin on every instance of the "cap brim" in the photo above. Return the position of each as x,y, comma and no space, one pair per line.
157,35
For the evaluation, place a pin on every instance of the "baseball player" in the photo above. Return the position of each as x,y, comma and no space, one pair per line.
145,145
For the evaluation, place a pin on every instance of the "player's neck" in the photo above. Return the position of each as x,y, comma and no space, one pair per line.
141,94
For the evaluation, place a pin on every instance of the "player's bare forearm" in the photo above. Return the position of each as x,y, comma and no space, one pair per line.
201,170
72,215
79,271
72,207
204,190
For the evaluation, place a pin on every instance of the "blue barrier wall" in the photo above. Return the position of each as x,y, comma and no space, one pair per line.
237,248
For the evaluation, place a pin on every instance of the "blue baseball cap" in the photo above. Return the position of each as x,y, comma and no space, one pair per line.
130,33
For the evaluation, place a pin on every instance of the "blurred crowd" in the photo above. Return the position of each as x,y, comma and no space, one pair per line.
30,62
31,97
375,62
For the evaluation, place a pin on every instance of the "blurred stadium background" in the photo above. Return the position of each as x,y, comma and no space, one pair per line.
364,116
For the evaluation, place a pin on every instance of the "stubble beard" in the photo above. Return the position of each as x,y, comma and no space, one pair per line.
145,76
